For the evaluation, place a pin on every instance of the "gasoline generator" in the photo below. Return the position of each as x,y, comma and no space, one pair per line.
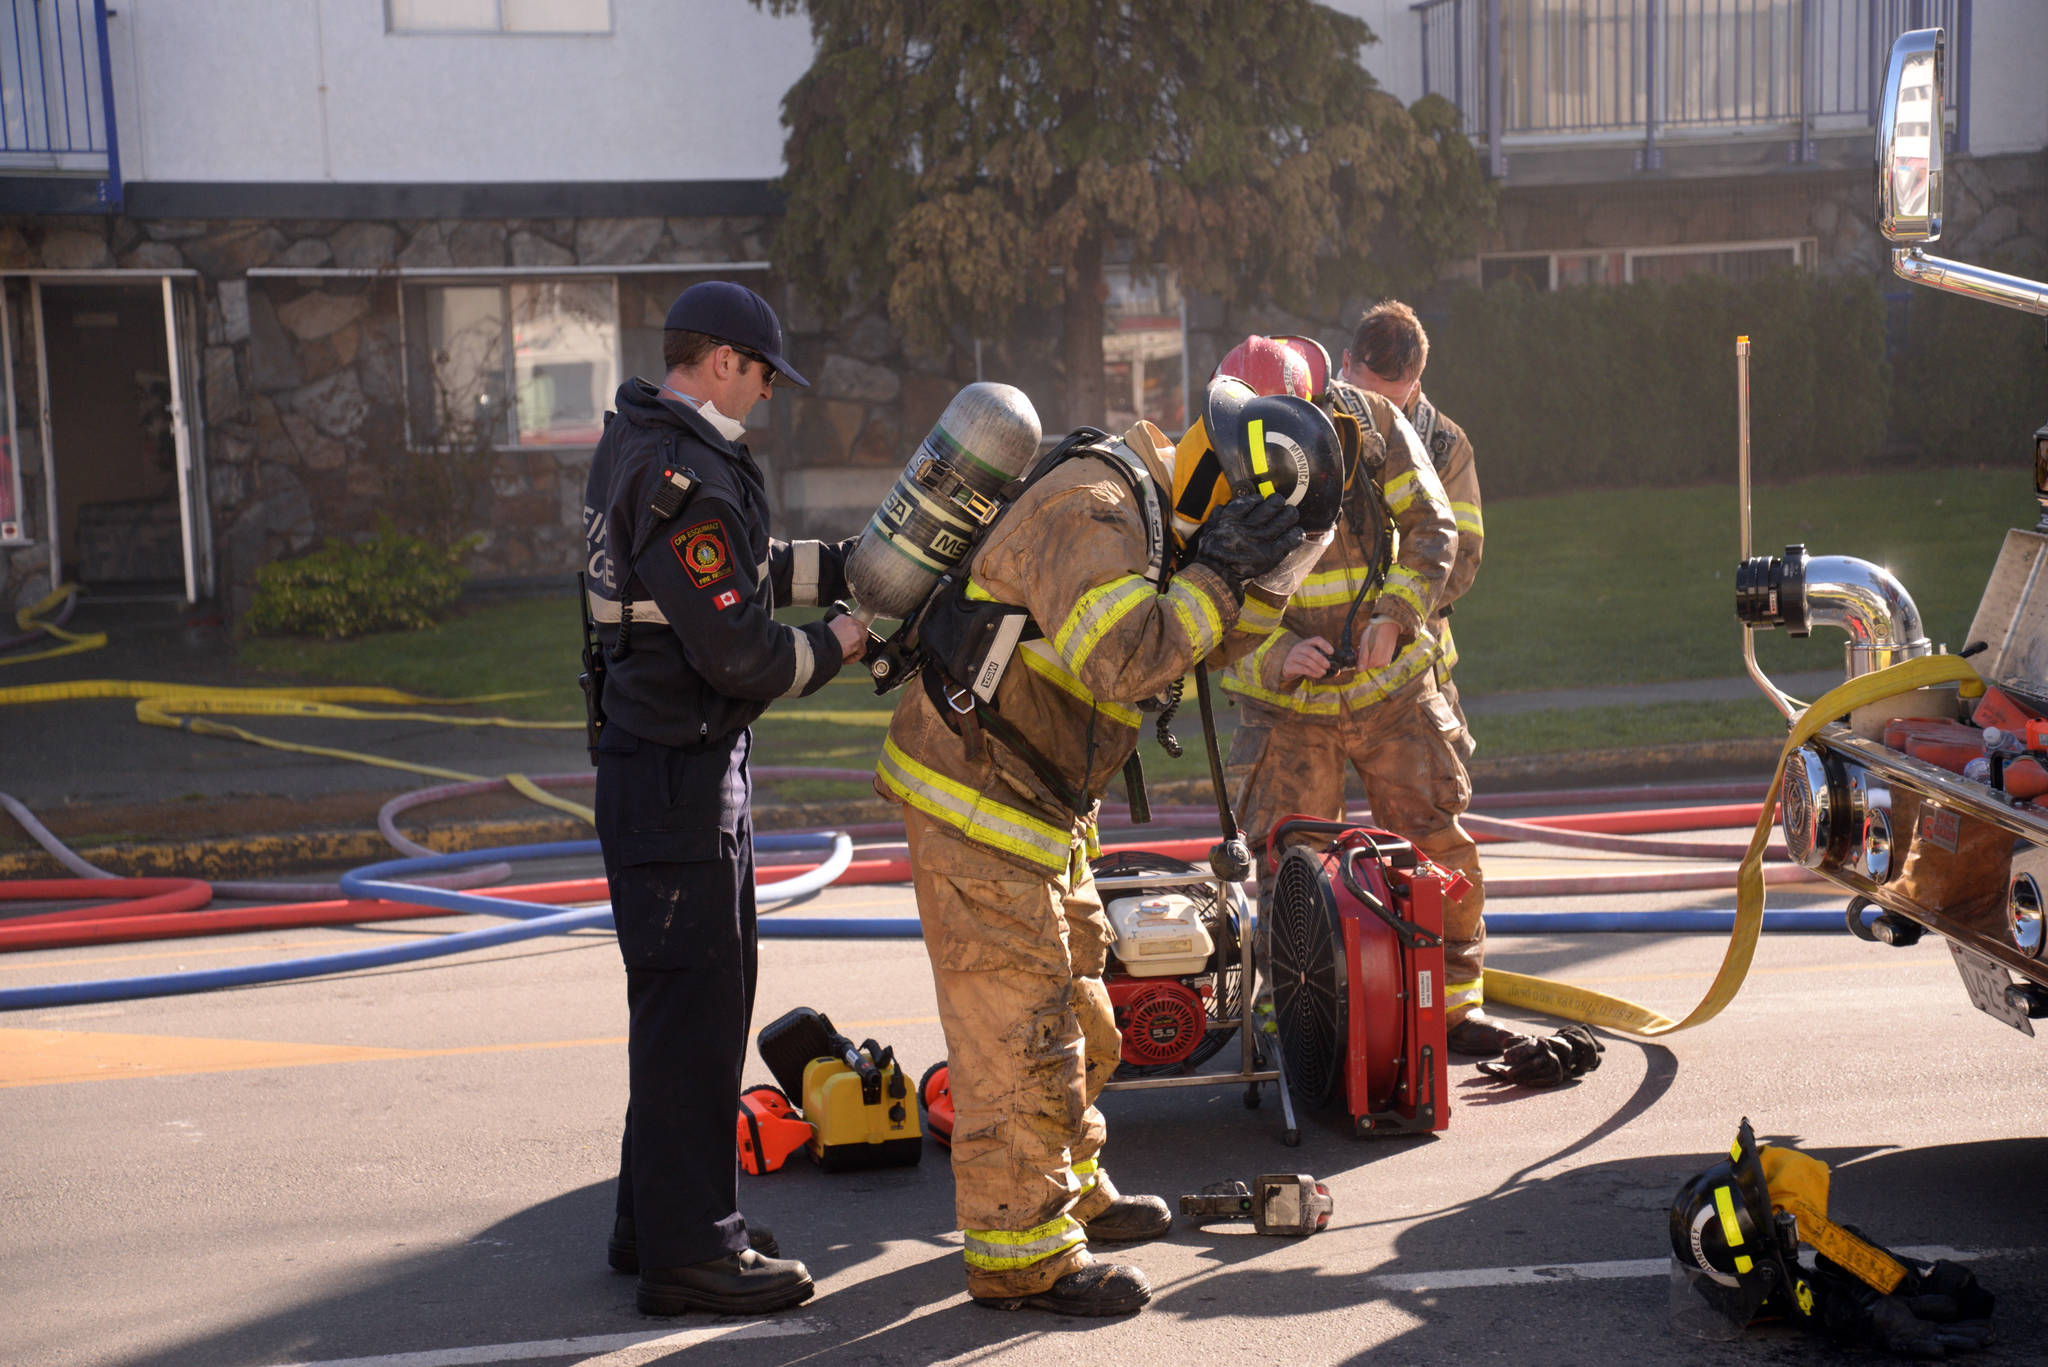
1175,974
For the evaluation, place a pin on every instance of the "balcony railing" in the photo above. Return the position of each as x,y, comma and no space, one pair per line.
57,103
1555,72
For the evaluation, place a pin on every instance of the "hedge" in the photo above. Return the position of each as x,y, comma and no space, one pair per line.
1605,387
387,582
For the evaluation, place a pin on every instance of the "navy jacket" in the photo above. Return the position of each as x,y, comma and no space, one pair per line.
705,654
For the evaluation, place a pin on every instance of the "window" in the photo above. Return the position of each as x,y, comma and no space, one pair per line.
517,363
1730,260
1144,350
499,16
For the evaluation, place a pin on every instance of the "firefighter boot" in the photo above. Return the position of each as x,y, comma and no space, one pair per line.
1129,1220
742,1283
622,1250
1095,1290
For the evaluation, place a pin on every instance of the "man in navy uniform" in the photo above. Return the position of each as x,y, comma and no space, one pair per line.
684,581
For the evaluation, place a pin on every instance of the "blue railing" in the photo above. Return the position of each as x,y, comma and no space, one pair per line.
57,94
1562,69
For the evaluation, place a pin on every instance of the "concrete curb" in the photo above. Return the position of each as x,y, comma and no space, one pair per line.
275,854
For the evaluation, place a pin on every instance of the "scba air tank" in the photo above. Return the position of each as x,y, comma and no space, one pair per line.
946,494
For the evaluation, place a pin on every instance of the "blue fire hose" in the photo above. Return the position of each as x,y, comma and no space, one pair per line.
533,921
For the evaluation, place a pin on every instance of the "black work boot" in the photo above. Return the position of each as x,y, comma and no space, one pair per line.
743,1283
1129,1220
1480,1036
622,1250
1097,1289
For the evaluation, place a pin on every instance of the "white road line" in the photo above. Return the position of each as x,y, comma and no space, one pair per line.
599,1345
594,1345
1541,1273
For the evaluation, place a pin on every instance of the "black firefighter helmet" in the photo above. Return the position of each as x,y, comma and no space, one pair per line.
1729,1247
1277,444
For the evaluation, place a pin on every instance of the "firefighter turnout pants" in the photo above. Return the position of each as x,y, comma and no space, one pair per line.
1030,1040
1407,753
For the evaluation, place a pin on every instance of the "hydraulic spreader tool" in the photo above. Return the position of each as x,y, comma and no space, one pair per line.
1286,1205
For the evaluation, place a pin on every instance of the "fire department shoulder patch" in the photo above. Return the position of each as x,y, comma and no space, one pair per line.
704,552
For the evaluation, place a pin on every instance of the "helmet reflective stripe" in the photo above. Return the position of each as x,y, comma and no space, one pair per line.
1731,1229
1255,437
1699,1252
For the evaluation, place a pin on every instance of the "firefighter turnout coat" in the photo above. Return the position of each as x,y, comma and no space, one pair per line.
1450,452
1016,934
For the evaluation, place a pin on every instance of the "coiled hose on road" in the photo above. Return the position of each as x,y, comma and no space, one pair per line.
374,881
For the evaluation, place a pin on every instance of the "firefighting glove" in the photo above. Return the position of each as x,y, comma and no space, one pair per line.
1938,1310
1570,1053
1247,537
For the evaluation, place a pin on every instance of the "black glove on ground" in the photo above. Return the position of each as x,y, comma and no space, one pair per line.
1570,1053
1246,537
1938,1310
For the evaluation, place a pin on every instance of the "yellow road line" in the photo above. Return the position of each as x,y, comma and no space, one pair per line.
41,1058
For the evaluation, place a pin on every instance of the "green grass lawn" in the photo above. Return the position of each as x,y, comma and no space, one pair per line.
1631,586
1638,585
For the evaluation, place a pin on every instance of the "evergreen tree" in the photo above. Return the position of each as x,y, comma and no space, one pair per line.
959,158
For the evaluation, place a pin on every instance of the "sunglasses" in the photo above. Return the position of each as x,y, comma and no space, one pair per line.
754,355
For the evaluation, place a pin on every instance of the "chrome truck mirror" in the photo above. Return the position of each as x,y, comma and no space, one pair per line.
1909,131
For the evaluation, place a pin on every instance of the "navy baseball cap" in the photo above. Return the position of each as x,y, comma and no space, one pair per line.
736,316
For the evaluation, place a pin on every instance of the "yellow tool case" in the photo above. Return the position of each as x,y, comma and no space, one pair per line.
861,1119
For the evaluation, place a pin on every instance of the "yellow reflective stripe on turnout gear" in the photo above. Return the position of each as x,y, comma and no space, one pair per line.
1198,617
1094,614
1457,994
1259,618
1402,491
1089,1170
1468,519
1255,437
1447,652
1408,586
1038,656
973,815
1323,698
1616,1013
1330,588
1000,1250
976,593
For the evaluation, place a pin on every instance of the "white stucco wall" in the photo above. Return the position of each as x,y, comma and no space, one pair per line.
1396,59
2008,76
307,90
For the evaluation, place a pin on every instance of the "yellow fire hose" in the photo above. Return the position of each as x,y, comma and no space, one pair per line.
1626,1017
30,619
184,707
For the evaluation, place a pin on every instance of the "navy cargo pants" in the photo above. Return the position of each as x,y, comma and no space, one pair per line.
679,856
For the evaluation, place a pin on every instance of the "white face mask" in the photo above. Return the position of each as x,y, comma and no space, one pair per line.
732,429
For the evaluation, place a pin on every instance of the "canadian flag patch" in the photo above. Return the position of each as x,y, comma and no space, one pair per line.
730,598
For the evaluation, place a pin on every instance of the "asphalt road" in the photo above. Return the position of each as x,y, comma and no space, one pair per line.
414,1167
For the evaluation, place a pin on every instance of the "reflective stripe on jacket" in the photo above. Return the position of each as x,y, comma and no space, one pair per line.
1426,542
1450,451
1073,552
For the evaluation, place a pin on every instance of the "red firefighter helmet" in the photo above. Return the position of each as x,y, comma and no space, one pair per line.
1268,366
1316,358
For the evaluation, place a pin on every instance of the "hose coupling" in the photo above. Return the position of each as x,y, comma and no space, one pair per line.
1770,591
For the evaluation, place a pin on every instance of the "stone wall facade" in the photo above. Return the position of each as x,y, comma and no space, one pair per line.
303,386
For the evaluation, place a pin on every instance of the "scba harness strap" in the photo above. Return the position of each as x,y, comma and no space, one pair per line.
969,638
